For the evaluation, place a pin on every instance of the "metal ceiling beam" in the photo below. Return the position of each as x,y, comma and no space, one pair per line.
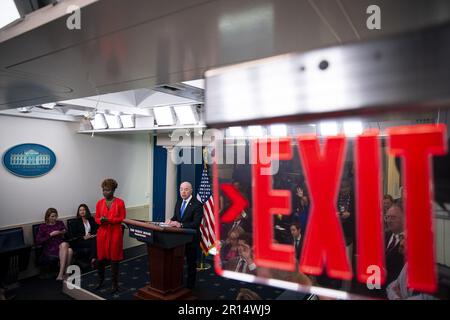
393,74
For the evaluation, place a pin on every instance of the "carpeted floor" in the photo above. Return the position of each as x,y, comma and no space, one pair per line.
134,275
38,288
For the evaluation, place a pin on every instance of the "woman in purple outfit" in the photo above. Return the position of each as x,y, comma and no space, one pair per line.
51,237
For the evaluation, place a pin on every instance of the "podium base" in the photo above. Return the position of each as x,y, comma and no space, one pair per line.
147,293
204,266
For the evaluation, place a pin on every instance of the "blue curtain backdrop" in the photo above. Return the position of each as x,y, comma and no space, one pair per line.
190,171
159,182
185,172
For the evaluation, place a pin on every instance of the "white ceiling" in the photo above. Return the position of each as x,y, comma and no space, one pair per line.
127,45
138,102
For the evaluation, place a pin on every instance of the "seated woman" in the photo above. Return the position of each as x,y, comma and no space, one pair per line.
51,237
84,231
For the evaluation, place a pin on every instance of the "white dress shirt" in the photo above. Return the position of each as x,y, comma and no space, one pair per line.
87,227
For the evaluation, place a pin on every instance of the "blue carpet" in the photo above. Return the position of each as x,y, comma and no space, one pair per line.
134,275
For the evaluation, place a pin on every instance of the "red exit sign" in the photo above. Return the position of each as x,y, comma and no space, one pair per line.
324,245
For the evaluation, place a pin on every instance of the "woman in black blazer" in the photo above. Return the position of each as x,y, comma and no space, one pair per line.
83,231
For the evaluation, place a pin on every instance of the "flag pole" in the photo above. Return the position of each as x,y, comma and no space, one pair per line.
203,265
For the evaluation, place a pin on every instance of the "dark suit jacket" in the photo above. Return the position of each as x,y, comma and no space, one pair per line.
232,264
192,217
348,224
78,228
298,249
394,260
244,223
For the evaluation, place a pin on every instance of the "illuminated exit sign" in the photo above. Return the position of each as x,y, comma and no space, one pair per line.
324,245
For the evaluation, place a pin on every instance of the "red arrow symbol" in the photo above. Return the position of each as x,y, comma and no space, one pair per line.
238,202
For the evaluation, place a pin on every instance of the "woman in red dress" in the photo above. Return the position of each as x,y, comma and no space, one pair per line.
109,214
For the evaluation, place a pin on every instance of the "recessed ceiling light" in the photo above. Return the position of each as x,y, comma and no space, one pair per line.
99,121
128,120
255,131
186,114
236,132
113,121
48,105
329,128
278,130
353,128
24,109
164,116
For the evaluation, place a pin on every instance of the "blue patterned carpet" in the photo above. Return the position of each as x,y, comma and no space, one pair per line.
134,275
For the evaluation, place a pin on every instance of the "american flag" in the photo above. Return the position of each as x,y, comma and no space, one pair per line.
204,195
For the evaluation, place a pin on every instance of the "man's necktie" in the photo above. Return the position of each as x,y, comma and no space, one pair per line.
392,243
241,265
183,207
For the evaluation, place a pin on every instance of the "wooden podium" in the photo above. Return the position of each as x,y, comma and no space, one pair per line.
165,246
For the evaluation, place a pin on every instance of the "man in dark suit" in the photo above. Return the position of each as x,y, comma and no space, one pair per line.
188,214
243,221
297,239
394,259
395,225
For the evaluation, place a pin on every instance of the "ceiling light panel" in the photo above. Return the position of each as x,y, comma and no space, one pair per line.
164,116
186,114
